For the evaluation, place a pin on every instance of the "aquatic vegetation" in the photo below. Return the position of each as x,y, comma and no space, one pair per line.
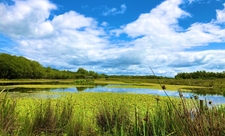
109,114
84,82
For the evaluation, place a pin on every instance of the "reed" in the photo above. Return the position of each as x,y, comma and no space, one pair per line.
7,115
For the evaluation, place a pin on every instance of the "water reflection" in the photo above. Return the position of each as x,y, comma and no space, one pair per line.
80,89
28,90
205,91
203,94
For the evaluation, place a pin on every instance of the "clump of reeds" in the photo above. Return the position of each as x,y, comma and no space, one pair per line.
187,118
113,120
7,115
44,119
193,117
55,117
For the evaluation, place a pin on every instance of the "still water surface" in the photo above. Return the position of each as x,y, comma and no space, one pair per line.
216,98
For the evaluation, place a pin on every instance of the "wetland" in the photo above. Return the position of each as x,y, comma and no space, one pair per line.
40,88
108,107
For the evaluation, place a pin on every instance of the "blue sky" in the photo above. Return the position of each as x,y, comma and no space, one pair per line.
117,37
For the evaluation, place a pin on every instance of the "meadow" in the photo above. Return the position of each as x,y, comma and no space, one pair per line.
93,114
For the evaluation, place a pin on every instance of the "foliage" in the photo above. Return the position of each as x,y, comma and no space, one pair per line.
84,82
200,75
14,67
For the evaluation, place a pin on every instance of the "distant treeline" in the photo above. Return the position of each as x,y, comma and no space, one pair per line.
137,77
200,75
18,67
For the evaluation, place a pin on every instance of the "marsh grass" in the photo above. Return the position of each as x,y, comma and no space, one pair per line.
188,118
7,115
113,120
110,114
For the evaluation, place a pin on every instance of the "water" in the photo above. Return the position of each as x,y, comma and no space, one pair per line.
215,98
26,92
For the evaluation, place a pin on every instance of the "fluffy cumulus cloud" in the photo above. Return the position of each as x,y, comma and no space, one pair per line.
72,40
26,18
163,18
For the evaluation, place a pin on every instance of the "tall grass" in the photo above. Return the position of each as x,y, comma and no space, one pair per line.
7,115
113,120
187,118
110,116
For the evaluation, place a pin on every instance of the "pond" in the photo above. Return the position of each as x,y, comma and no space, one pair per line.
216,98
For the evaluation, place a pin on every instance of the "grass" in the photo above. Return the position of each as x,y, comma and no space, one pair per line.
7,115
109,114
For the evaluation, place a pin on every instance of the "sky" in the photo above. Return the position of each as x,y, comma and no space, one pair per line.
124,37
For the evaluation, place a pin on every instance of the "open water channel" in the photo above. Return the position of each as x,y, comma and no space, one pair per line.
216,98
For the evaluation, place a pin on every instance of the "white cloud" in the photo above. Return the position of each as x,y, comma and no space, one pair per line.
26,18
72,40
163,18
160,28
115,11
221,15
72,20
104,24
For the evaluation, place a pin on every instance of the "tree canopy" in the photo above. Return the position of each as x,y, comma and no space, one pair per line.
200,75
18,67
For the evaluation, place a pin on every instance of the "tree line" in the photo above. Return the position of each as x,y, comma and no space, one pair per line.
18,67
137,77
200,75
